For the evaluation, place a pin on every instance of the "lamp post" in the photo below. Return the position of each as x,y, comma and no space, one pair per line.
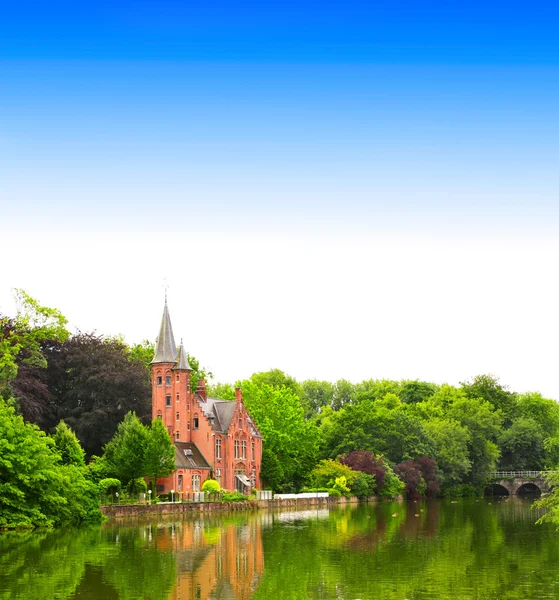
118,497
173,496
149,492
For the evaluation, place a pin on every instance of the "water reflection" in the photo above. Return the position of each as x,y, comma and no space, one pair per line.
487,548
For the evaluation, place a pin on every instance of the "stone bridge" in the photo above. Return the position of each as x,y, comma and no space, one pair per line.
519,482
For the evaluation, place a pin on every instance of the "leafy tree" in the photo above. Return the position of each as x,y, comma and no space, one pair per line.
21,338
366,462
277,379
410,473
291,442
315,395
159,452
225,391
126,452
93,384
522,445
344,394
110,485
35,489
450,442
489,389
68,446
417,391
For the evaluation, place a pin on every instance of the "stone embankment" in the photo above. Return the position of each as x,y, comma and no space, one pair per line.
165,508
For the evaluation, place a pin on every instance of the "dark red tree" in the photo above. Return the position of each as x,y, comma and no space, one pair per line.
366,462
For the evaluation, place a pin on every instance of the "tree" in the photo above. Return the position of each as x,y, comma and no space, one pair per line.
21,338
127,451
522,446
325,474
93,383
35,489
489,389
315,395
366,462
68,446
290,447
159,452
277,379
417,391
451,449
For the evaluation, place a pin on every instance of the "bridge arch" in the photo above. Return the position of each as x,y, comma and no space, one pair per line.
529,489
496,489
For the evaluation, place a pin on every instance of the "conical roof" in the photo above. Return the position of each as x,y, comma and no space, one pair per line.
165,347
182,361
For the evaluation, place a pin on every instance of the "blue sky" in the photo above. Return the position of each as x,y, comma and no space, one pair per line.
399,138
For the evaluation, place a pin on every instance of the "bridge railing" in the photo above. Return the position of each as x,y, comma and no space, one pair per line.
520,474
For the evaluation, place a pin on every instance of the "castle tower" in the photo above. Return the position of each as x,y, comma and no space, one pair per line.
164,360
183,397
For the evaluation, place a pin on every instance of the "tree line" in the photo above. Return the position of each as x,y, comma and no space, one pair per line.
422,437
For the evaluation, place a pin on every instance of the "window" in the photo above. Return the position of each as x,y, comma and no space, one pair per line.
177,435
252,450
178,397
195,483
180,482
240,423
218,447
218,476
243,449
178,378
159,416
188,426
159,380
236,448
195,423
167,380
167,400
178,417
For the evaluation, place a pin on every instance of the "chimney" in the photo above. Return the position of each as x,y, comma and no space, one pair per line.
201,389
238,394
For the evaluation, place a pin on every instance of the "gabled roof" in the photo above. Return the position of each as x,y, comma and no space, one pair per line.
165,347
220,413
191,459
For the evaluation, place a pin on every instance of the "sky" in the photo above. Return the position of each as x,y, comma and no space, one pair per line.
340,190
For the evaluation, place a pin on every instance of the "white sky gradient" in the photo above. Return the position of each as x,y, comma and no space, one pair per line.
325,304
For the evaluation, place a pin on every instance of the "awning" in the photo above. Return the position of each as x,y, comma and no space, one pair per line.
244,480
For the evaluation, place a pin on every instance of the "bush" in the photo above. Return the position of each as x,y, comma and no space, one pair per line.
393,485
334,493
110,485
137,486
327,471
211,486
234,497
364,485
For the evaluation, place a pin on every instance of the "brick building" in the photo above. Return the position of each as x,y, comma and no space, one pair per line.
213,438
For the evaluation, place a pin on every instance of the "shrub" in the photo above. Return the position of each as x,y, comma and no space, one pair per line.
327,471
137,486
412,477
364,485
110,485
340,484
334,493
234,496
211,486
366,462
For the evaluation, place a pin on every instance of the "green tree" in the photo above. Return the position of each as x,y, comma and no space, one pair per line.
277,379
21,337
290,447
35,489
315,395
159,452
489,389
522,446
127,451
68,446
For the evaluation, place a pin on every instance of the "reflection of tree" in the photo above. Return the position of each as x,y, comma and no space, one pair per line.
471,549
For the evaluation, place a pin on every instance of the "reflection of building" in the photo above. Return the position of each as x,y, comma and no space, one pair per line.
212,437
218,563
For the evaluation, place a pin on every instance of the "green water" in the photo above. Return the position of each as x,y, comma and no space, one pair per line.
469,549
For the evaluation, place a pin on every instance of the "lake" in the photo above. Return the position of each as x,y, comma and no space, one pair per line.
472,549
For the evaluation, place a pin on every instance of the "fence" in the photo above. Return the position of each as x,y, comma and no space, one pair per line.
520,474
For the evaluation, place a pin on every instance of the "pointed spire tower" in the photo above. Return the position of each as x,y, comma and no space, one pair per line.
165,347
182,361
